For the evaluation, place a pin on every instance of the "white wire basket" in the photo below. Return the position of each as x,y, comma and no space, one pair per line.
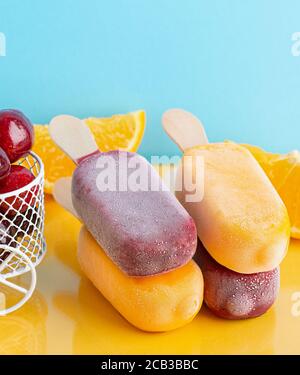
22,244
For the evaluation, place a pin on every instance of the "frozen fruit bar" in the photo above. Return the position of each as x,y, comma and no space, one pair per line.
154,303
233,295
241,220
144,231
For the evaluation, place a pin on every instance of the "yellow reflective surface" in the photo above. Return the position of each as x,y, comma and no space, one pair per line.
68,315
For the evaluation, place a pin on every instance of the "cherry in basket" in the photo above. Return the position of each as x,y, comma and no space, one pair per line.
15,204
4,164
16,134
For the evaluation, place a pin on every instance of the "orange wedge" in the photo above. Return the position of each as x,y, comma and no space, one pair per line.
284,173
119,132
263,157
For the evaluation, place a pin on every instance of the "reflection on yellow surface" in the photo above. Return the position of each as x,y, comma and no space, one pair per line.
24,331
287,333
100,329
61,232
80,320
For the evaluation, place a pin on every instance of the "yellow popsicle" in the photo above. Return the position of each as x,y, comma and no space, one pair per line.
153,303
241,219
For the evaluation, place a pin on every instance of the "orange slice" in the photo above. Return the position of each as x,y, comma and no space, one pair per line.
119,132
284,173
263,157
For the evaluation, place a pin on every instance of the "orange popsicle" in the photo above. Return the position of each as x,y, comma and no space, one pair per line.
153,303
241,220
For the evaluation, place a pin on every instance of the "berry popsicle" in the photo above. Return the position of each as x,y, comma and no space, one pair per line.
241,220
144,231
233,295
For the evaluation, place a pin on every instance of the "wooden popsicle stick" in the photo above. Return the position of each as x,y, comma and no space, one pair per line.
73,136
62,193
185,129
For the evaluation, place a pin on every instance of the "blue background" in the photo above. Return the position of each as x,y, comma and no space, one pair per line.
228,61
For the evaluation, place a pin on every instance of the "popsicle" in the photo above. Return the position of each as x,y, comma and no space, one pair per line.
241,220
233,295
152,303
139,223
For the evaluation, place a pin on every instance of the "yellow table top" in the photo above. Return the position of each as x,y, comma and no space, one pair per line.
68,315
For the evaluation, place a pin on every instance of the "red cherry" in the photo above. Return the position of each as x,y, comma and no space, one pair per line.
4,164
19,177
16,134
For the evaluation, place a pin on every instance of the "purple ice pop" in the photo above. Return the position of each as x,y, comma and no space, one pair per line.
143,232
124,204
233,295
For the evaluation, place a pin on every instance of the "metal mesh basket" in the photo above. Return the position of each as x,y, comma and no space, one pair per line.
22,244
